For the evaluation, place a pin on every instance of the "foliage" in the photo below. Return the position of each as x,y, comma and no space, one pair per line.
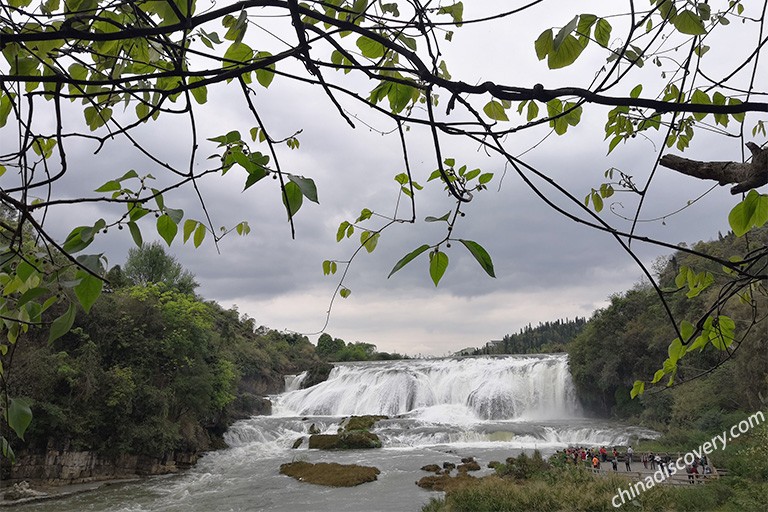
629,337
149,371
149,263
523,467
574,489
96,75
336,349
545,337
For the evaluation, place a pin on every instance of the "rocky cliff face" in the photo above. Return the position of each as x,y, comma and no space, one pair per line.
67,467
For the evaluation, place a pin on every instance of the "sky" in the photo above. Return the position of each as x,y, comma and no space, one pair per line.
547,267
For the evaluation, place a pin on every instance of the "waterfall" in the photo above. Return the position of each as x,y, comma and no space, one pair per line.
293,382
534,387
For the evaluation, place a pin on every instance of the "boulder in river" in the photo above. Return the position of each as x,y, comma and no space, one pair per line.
330,473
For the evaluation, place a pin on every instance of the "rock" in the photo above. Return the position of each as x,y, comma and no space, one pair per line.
330,473
469,466
359,439
442,482
298,443
313,429
361,422
324,442
432,468
467,460
356,440
316,374
449,465
21,491
494,464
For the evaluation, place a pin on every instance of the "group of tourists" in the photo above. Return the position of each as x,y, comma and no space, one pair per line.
595,458
700,467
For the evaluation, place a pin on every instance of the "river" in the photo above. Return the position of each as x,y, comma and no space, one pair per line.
440,410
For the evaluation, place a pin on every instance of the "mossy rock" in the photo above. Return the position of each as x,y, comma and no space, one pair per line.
355,440
359,440
324,442
361,422
330,473
445,481
469,466
432,468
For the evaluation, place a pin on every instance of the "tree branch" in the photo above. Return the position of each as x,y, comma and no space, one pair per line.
747,176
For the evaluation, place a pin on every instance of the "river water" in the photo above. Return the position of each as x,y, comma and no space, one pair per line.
439,410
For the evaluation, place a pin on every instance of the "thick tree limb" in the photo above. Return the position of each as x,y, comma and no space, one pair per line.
746,175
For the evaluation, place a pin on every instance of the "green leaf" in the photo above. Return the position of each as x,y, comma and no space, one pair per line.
135,233
688,22
62,324
751,212
365,214
109,186
657,376
88,290
199,235
78,239
700,343
200,93
31,294
174,214
342,230
243,228
438,263
306,185
637,389
408,258
456,11
481,255
239,53
676,350
495,110
370,48
189,228
292,198
722,332
345,292
438,219
603,32
266,74
167,228
533,111
566,54
6,106
543,44
585,24
19,416
563,32
369,240
686,329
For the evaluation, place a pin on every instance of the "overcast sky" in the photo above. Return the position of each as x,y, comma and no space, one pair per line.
547,266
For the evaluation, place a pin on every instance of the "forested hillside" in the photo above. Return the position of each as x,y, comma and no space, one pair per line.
629,340
151,369
545,337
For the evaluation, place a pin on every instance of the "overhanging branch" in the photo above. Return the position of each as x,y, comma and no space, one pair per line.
746,175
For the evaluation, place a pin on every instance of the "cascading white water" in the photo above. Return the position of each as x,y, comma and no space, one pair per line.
293,382
487,388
